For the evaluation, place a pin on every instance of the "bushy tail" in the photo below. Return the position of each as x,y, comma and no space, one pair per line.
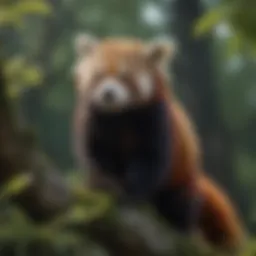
219,221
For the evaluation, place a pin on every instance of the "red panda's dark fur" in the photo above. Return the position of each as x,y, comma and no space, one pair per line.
216,217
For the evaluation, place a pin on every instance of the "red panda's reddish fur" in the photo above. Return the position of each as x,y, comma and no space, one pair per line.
218,221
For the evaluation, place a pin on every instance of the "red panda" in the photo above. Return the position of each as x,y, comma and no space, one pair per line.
137,140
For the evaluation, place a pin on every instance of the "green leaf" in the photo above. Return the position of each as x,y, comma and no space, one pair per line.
8,16
14,65
16,185
14,91
234,45
13,14
32,75
33,7
20,75
209,20
77,214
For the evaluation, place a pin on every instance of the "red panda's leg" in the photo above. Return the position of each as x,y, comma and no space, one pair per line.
180,207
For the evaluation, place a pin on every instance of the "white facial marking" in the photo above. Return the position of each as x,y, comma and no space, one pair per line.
111,93
145,85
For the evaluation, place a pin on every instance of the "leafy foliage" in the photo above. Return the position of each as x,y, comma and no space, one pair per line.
19,232
15,186
239,16
13,13
210,19
13,16
21,75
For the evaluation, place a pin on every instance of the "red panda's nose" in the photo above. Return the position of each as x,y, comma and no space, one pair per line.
109,95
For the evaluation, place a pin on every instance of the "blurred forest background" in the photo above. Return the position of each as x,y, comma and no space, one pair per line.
214,75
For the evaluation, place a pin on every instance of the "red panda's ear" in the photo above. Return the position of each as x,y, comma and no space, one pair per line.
84,44
160,52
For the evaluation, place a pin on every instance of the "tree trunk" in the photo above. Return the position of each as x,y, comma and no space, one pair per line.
196,81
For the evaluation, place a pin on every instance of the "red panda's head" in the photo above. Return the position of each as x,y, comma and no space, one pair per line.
117,73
